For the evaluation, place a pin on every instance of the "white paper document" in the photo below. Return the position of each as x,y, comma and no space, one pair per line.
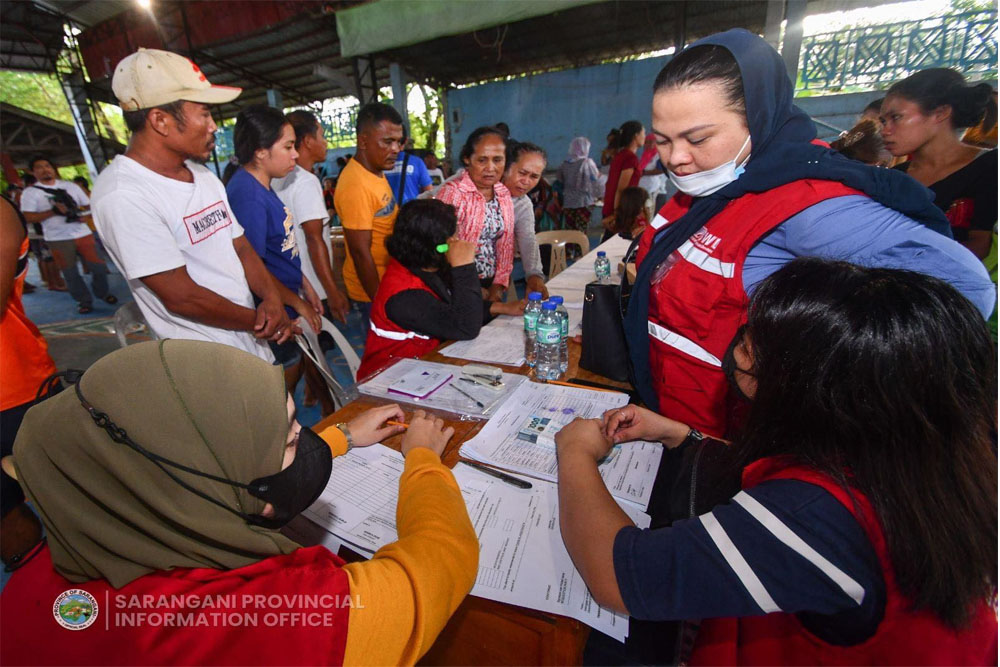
497,345
359,502
462,402
629,474
522,558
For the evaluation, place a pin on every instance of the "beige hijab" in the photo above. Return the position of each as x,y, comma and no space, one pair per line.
111,512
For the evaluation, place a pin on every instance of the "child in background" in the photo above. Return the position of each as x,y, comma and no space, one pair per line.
631,216
430,290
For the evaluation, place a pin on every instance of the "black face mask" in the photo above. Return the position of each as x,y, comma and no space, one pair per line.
730,368
290,491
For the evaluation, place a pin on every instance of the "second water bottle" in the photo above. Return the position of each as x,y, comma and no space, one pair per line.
548,336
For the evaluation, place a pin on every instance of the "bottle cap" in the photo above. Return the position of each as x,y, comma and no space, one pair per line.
548,305
558,300
601,253
534,296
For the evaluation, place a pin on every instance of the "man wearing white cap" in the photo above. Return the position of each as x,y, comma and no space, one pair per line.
165,219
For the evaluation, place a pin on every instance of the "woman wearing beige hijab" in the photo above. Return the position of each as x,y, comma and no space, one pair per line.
162,479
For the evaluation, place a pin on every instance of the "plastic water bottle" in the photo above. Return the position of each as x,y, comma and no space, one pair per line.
564,337
548,333
602,268
531,312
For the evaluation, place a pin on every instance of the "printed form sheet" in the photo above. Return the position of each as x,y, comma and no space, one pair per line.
629,471
503,344
358,504
522,557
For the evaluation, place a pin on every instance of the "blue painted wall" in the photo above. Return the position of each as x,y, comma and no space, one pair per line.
550,109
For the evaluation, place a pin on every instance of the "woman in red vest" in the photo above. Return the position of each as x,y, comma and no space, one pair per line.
866,529
756,190
430,290
163,479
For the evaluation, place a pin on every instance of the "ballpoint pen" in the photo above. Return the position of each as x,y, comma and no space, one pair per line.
502,476
467,395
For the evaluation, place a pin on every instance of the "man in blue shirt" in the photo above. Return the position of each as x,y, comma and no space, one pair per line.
417,179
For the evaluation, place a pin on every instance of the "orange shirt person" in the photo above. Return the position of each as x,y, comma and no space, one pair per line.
24,365
365,203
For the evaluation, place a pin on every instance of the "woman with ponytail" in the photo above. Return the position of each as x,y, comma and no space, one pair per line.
922,115
624,171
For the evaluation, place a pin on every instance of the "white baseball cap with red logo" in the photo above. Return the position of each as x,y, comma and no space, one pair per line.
151,77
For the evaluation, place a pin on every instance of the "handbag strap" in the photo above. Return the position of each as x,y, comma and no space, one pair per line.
624,293
402,179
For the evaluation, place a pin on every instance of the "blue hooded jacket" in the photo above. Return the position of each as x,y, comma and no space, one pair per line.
781,152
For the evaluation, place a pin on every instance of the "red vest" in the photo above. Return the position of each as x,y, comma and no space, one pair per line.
386,339
698,303
904,637
283,610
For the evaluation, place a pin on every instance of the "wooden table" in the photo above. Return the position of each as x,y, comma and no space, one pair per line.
484,632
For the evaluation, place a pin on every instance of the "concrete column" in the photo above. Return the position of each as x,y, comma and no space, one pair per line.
791,46
274,99
397,78
772,22
680,26
446,114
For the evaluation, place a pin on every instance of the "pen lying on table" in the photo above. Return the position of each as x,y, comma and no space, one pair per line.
510,479
467,395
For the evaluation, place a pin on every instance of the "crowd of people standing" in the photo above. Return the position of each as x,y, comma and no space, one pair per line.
808,322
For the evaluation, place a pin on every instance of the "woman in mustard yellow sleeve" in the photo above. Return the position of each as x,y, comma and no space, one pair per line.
163,479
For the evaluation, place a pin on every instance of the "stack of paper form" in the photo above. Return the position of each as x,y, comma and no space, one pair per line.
501,344
629,473
522,558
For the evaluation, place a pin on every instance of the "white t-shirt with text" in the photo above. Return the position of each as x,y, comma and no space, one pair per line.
55,227
150,223
302,193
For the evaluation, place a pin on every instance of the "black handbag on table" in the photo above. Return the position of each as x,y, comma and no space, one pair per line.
604,349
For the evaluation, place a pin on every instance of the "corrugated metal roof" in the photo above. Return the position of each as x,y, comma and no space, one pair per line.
573,38
87,12
284,56
24,133
30,37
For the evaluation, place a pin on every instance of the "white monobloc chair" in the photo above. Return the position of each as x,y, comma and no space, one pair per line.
559,239
308,341
129,319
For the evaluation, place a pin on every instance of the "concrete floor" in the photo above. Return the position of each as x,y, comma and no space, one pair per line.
76,341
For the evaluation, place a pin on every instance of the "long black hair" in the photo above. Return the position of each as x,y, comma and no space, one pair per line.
631,204
257,127
627,132
702,64
885,380
515,149
421,226
469,147
939,86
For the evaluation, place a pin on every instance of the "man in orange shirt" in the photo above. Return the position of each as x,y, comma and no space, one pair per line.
365,203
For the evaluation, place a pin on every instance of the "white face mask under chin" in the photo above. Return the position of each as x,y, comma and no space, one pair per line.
711,180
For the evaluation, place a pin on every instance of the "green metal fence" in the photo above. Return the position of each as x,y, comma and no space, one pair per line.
871,56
